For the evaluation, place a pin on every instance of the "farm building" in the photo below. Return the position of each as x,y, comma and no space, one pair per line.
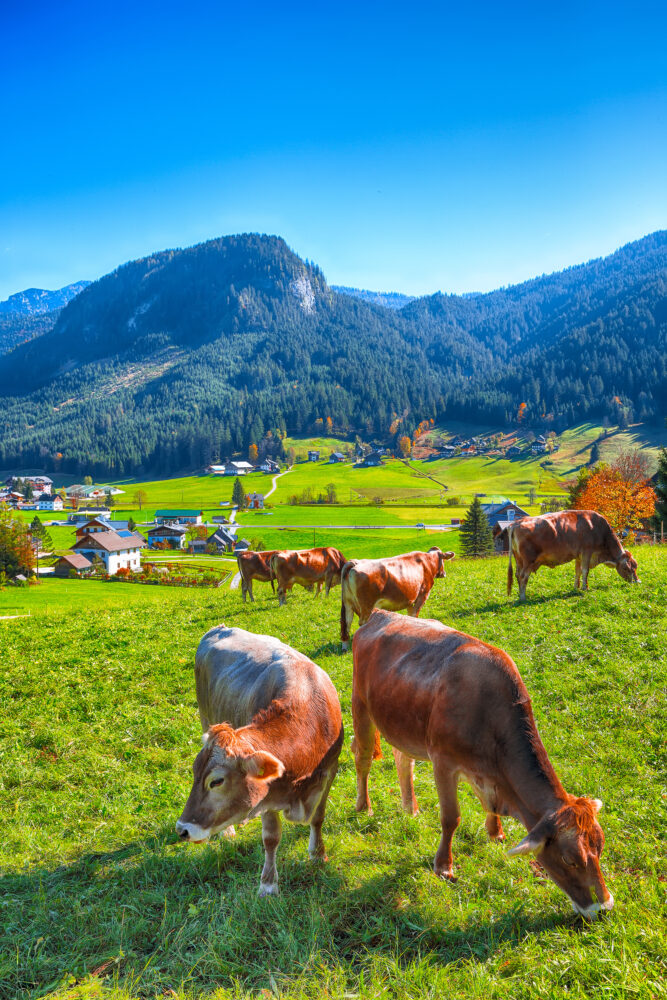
215,470
222,539
72,562
178,516
336,456
506,510
371,460
87,513
238,468
255,501
313,456
172,534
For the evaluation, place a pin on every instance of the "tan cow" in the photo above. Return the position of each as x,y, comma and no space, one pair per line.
254,566
272,735
394,584
554,539
307,567
441,695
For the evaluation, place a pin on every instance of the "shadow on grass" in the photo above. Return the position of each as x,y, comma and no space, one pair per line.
154,915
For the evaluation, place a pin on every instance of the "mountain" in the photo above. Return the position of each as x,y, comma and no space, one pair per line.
392,300
187,356
33,312
34,301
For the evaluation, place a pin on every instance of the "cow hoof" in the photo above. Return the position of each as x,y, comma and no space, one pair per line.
447,876
270,889
345,646
229,832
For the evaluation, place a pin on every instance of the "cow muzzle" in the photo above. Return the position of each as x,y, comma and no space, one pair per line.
591,912
191,832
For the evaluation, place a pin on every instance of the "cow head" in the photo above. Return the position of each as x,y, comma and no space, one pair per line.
568,844
230,780
627,567
442,558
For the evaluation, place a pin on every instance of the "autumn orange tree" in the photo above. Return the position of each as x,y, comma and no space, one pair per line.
252,453
620,491
405,446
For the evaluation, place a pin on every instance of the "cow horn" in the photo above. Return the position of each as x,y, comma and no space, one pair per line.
529,845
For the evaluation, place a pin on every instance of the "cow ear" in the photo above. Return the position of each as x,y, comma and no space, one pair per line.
448,555
264,766
530,844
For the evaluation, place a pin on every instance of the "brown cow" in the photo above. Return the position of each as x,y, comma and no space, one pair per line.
308,568
254,566
555,539
441,695
395,583
272,736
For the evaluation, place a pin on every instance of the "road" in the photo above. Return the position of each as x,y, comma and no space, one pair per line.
236,579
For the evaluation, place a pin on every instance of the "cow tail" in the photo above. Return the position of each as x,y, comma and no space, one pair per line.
510,571
377,748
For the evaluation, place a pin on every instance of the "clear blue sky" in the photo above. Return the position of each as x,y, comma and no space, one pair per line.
407,147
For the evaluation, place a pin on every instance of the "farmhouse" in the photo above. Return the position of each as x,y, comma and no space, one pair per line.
371,460
313,456
223,539
513,451
86,513
115,551
506,510
336,456
268,465
172,534
178,516
255,501
215,470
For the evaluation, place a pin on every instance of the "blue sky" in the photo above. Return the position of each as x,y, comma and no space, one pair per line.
407,147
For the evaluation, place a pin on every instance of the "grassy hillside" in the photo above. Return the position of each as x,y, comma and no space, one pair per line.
99,732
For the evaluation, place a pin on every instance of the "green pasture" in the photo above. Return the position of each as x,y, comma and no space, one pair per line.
98,899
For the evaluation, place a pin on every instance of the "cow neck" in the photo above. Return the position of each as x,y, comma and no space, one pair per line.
532,785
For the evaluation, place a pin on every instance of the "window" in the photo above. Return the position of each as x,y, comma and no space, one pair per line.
510,514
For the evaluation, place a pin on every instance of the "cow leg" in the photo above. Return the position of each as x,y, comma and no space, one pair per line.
318,591
494,827
271,832
450,816
577,572
522,576
419,603
363,746
405,768
281,595
585,567
346,619
243,589
316,848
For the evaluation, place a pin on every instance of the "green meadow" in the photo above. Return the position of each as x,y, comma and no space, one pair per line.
98,899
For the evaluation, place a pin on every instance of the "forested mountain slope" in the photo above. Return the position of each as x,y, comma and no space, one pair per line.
185,356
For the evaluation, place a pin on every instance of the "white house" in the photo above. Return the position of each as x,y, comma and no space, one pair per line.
49,502
117,551
173,534
238,468
178,515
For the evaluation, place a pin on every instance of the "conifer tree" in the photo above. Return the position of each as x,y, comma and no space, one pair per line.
660,489
476,537
238,494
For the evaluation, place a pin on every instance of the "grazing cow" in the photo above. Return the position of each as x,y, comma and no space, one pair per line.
441,695
254,566
554,539
394,584
272,736
307,567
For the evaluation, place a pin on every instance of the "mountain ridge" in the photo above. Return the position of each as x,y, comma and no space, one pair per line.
181,357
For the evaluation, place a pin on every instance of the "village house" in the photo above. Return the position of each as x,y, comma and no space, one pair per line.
513,450
172,534
87,514
117,549
336,456
268,465
313,456
49,501
215,470
502,515
254,501
222,539
372,459
178,516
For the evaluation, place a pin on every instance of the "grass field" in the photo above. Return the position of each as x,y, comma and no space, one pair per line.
97,898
